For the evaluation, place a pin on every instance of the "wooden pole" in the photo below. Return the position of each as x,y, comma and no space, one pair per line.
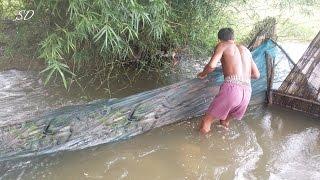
270,76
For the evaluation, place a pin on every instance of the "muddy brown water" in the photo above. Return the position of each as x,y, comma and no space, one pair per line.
269,143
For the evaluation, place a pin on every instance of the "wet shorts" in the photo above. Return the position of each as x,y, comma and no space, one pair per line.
232,99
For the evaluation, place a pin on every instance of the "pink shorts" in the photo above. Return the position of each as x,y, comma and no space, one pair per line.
232,99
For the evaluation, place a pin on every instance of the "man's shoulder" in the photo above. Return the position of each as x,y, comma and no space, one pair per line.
224,45
221,46
242,46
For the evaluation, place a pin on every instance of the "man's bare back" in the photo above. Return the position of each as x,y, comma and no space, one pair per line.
233,63
236,60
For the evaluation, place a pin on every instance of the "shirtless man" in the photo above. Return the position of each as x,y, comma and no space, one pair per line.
238,69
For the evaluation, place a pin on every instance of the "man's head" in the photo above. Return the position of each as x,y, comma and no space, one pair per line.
226,34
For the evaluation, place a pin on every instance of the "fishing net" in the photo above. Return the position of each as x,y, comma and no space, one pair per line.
104,121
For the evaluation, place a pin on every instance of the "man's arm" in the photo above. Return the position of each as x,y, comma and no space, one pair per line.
216,56
255,74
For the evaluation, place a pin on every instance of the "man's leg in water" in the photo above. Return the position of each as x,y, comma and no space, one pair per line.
208,119
206,123
226,122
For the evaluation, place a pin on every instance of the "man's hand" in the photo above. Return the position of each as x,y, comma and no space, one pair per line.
216,56
202,75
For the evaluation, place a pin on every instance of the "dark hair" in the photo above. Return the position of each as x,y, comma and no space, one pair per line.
226,34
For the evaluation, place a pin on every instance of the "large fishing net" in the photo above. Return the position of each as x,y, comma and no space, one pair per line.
105,121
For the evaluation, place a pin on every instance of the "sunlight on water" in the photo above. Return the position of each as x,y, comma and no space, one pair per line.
298,155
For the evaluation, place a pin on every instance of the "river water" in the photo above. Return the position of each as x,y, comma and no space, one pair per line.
269,143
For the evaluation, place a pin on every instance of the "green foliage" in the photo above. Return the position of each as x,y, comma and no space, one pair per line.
198,22
95,38
295,31
104,31
296,19
8,8
122,31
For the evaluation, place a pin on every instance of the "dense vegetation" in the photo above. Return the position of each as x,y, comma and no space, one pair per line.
96,38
